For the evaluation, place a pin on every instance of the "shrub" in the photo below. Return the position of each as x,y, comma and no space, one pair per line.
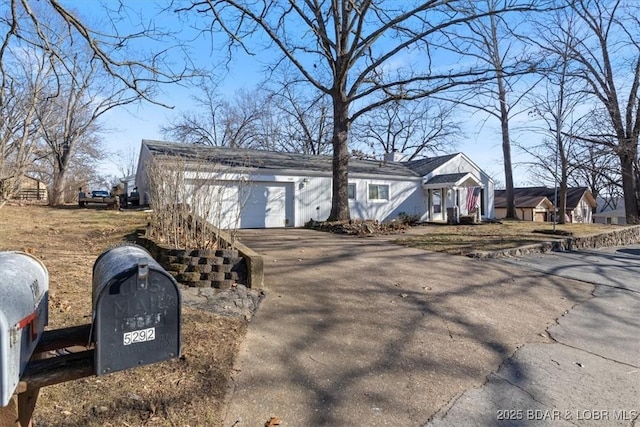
408,219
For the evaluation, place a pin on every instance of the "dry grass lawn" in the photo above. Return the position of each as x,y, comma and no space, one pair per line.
464,239
182,392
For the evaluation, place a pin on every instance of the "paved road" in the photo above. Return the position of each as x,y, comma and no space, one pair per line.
362,332
590,374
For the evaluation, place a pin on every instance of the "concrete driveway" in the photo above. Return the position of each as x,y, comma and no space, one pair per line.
362,332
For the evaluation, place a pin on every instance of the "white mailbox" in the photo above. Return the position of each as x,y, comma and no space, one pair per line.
24,312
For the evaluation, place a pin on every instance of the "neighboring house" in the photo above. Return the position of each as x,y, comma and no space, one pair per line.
274,189
611,211
528,208
616,216
580,204
609,203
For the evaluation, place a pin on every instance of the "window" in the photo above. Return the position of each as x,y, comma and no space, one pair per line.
378,192
351,190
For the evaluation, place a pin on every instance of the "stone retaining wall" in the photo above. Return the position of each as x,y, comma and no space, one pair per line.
206,268
621,237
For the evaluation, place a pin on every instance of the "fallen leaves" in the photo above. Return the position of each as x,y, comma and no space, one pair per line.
272,422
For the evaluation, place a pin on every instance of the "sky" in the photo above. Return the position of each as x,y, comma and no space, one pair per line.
129,125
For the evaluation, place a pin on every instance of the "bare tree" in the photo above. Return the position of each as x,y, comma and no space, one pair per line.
125,70
302,124
605,53
350,50
493,42
598,168
218,122
126,160
198,127
414,128
22,90
116,50
78,94
556,103
277,120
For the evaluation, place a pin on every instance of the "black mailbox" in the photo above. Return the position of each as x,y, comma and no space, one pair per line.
136,310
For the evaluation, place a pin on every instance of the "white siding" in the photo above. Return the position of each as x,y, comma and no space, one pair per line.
141,174
236,204
404,196
582,212
218,203
313,199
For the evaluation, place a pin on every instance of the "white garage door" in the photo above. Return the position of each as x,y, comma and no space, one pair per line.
268,205
218,203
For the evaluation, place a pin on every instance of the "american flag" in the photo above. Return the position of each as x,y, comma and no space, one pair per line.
472,197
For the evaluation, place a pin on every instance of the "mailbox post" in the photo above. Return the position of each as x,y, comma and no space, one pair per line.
24,302
136,310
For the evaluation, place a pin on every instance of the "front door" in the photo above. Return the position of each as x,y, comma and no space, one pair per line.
436,205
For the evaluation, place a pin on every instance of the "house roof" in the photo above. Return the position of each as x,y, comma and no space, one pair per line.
610,204
500,201
620,213
425,166
574,194
260,159
450,180
32,178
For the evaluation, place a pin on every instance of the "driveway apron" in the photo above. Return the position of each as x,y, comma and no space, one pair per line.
363,332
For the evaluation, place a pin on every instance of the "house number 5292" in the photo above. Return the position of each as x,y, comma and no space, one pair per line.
142,335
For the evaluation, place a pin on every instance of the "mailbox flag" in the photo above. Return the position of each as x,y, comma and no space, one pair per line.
472,197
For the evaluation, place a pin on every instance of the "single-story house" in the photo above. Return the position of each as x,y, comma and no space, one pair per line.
611,210
580,204
266,189
528,208
615,216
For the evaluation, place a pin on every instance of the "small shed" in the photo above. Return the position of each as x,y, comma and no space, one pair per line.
30,188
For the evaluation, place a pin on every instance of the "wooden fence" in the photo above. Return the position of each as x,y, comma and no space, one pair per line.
31,194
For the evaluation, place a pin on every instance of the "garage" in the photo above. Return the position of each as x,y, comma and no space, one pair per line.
268,205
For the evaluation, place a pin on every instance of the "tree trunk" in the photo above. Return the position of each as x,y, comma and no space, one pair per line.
562,200
506,149
627,163
562,196
56,196
61,167
341,125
